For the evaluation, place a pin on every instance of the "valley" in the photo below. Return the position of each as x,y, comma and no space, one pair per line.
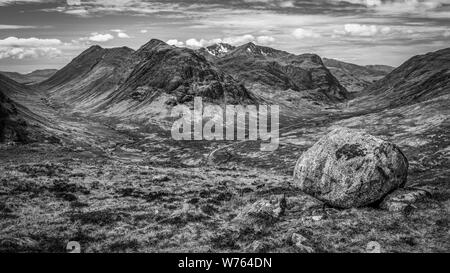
99,165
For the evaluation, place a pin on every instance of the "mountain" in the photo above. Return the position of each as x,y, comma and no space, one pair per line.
91,76
178,75
30,78
281,70
419,79
356,77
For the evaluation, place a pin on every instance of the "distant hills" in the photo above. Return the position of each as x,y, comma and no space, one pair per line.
30,78
356,78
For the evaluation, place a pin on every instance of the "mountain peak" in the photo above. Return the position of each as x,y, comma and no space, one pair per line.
256,50
219,49
94,48
154,43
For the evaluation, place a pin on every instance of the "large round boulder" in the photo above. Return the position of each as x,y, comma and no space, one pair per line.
350,168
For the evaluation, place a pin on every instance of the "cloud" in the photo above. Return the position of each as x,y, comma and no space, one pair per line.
239,40
194,43
73,2
265,40
29,42
413,8
232,40
106,7
175,42
121,33
144,31
362,30
273,3
21,48
301,33
100,38
14,27
11,2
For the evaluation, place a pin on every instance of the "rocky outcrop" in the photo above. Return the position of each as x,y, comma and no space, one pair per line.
350,168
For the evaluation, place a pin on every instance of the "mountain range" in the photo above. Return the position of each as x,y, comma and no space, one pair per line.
122,82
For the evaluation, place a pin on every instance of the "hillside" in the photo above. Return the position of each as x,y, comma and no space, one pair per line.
354,77
419,79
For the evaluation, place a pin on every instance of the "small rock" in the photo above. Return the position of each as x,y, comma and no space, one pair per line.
262,213
402,200
160,178
298,240
317,218
257,247
350,168
302,203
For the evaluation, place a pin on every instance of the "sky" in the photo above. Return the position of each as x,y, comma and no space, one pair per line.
38,34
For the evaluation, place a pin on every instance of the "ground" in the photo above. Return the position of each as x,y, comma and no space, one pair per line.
115,186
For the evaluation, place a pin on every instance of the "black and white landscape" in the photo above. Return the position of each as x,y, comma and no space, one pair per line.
87,154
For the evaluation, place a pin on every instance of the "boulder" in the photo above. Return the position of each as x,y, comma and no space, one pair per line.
350,168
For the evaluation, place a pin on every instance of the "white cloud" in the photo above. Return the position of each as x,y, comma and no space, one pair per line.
301,33
232,40
9,2
121,33
175,42
362,30
275,3
194,43
100,38
14,27
73,2
21,48
29,42
426,8
144,31
265,40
